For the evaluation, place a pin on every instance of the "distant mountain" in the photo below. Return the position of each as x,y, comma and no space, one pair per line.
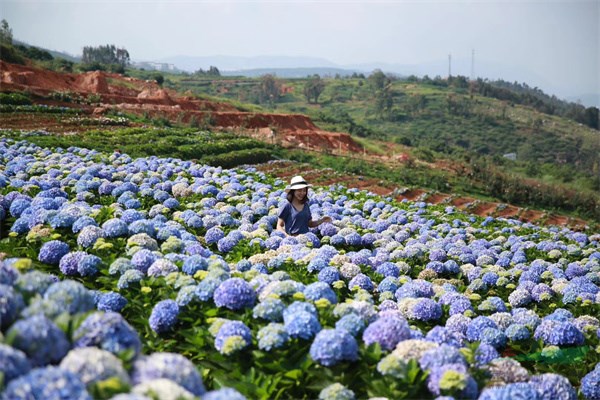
587,99
55,54
291,72
233,63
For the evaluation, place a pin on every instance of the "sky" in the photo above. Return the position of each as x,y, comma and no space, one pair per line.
550,44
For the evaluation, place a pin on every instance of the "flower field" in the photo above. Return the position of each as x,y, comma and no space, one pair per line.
162,278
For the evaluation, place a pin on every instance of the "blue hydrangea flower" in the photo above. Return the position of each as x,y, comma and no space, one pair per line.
89,265
229,329
329,275
485,353
223,394
477,326
352,323
213,235
40,339
388,269
13,363
425,309
272,336
336,391
8,274
388,331
108,331
441,355
11,304
93,365
558,333
332,346
162,267
301,324
517,332
361,281
553,386
164,316
415,288
171,366
320,290
494,337
129,277
51,383
519,390
111,301
115,228
71,296
89,235
459,377
235,294
590,384
35,281
82,222
52,251
443,335
270,309
143,259
69,262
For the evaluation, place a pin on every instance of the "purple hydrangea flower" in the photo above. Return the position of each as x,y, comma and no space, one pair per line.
162,267
477,326
143,259
387,330
235,294
442,335
362,281
164,316
89,235
213,235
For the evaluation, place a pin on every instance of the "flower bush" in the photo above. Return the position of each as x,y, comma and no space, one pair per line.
171,277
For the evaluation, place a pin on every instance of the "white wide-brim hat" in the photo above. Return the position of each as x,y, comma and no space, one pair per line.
297,182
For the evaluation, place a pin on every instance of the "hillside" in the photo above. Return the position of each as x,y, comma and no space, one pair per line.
101,96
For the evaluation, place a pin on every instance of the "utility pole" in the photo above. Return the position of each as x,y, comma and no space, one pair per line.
449,65
473,64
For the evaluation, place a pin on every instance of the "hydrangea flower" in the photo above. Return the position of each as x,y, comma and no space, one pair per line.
590,384
272,336
232,330
51,252
71,296
40,339
164,316
169,366
111,301
234,294
89,235
452,378
332,346
301,324
93,365
336,391
558,333
223,394
518,390
52,383
13,362
388,331
270,309
320,290
108,331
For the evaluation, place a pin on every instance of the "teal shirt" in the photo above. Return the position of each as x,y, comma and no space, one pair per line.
296,222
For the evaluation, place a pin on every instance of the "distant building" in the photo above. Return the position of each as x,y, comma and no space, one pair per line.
510,156
155,66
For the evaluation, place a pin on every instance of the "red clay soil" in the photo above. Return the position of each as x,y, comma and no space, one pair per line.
148,98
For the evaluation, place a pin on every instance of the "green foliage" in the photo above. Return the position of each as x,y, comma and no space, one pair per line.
17,99
313,88
105,55
6,35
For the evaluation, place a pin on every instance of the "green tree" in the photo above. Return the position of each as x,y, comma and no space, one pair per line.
313,88
6,36
107,55
269,89
159,79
